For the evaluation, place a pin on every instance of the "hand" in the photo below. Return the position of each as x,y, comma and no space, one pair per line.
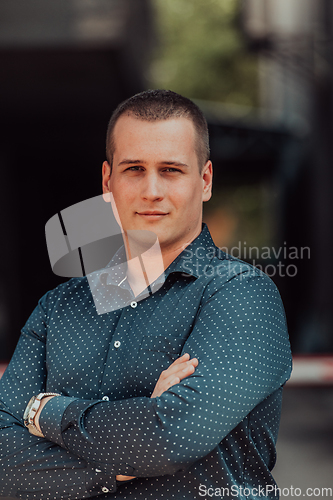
181,368
124,478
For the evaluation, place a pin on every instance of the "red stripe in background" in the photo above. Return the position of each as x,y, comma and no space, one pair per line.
3,366
308,370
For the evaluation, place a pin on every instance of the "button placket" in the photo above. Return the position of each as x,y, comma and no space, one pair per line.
118,348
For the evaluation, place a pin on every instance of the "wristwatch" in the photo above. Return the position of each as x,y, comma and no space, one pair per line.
31,410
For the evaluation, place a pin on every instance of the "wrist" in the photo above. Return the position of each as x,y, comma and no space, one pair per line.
33,410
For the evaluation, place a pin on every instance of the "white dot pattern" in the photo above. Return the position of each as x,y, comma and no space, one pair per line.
217,427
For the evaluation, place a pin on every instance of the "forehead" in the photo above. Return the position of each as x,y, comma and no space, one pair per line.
174,134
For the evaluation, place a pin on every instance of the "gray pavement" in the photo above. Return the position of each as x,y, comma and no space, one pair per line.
305,443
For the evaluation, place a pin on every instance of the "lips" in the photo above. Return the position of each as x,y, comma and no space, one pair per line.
152,214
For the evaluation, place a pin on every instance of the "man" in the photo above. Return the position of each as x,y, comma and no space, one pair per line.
117,428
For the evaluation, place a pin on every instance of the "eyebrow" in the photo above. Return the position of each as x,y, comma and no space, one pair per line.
137,162
129,162
175,163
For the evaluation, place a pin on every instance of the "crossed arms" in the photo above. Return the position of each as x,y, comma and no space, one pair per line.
181,368
142,436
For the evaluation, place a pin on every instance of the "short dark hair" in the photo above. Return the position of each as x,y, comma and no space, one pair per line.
155,105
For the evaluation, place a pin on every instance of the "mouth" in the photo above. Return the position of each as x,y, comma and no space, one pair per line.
152,214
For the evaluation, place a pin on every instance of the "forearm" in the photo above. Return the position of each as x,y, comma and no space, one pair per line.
129,435
181,368
143,437
31,466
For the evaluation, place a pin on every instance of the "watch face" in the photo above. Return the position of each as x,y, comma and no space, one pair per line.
28,408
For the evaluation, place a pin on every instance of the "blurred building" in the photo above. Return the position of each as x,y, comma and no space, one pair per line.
65,65
294,41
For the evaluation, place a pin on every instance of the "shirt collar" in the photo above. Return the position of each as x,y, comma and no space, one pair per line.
191,262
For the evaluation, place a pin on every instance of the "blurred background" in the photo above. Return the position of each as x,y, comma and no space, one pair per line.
262,72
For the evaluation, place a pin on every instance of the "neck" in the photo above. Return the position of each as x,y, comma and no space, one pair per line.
146,260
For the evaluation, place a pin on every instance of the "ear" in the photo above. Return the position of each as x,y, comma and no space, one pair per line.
106,174
207,178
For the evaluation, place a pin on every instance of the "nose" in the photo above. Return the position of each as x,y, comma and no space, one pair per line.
152,187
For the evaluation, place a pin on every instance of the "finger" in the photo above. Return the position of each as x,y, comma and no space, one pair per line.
181,359
174,366
181,362
189,369
171,379
178,368
182,373
191,363
194,362
167,384
185,358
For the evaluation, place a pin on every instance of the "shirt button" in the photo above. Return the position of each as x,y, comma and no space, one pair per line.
105,398
105,489
134,304
98,470
116,344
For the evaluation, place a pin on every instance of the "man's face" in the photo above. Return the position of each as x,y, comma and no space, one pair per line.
155,179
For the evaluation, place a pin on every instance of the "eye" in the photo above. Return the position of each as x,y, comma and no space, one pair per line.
172,169
133,168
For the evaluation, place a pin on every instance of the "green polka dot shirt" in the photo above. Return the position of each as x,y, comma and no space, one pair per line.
215,431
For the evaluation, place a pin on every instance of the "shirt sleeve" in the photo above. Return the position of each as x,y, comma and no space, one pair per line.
32,467
240,339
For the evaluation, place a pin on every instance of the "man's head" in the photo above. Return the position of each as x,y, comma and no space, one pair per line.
155,178
157,105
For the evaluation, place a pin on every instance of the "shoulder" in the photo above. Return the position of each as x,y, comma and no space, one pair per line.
227,267
216,271
74,290
225,274
204,260
54,303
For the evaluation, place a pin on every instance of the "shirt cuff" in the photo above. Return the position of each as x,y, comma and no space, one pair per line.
51,417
